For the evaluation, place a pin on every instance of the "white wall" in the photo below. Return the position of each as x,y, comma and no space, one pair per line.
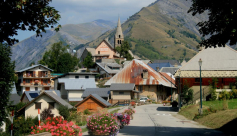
31,111
75,94
32,88
80,76
117,96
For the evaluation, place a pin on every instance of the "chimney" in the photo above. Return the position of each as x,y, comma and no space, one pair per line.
145,73
157,69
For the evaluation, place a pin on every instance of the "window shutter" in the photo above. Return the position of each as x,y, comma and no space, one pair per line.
48,80
24,81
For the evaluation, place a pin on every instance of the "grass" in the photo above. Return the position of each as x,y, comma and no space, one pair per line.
232,104
84,130
113,107
114,111
223,120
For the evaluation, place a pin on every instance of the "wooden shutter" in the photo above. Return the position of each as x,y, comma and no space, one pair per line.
39,74
27,88
41,81
24,81
49,81
34,74
30,81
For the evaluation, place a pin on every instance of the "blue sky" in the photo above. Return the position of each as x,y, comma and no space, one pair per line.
81,11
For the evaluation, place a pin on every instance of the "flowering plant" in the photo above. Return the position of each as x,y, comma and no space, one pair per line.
103,124
57,126
126,117
129,111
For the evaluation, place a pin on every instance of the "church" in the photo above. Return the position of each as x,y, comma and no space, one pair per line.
105,50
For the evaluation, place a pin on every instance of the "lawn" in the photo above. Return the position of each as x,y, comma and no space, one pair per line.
218,105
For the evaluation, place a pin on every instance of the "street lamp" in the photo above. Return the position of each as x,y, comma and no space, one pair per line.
171,87
179,72
200,65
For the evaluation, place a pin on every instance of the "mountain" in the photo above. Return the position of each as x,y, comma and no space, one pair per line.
32,48
162,30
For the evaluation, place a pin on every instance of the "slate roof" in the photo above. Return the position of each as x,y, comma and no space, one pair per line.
171,70
119,86
77,84
172,62
132,74
28,96
52,96
219,58
22,70
102,92
97,97
160,65
105,67
14,98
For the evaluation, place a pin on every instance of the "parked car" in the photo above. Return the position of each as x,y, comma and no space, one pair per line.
143,99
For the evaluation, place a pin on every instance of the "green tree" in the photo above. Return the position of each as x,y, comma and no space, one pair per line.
123,50
88,61
221,25
7,78
58,59
187,93
31,15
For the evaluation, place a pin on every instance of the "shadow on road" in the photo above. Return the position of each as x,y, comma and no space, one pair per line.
167,131
169,109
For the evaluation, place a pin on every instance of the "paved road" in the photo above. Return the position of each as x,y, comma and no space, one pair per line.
157,120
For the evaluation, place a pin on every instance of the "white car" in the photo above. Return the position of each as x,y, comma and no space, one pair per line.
144,99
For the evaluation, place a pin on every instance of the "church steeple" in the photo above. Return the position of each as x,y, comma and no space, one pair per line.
118,38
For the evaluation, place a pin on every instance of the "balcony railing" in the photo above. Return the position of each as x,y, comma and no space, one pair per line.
36,76
35,84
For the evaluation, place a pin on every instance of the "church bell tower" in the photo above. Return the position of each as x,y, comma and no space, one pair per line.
118,38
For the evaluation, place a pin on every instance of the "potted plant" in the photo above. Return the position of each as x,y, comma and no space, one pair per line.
174,104
102,124
130,112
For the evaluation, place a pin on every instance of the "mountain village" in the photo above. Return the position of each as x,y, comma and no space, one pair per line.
120,95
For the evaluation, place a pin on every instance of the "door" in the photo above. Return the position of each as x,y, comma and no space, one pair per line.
91,105
27,88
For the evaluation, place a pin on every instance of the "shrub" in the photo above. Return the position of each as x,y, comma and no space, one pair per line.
103,124
129,111
86,112
57,126
46,113
64,111
22,125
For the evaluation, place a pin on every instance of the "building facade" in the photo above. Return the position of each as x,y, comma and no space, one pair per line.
34,78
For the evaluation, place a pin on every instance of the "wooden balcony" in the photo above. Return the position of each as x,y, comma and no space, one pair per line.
36,85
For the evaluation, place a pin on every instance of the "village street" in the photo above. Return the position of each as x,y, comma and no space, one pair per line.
157,120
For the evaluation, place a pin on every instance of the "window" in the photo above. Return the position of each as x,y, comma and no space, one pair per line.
121,92
118,41
51,105
27,80
86,76
90,105
76,76
119,36
38,105
140,88
36,88
98,52
197,80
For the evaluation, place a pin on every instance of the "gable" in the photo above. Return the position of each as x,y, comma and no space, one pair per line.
90,99
104,47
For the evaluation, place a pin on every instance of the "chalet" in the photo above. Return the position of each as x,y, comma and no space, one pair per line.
219,62
72,85
147,81
34,78
43,101
92,102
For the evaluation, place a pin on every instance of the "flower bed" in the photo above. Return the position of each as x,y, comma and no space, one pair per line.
57,126
103,124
